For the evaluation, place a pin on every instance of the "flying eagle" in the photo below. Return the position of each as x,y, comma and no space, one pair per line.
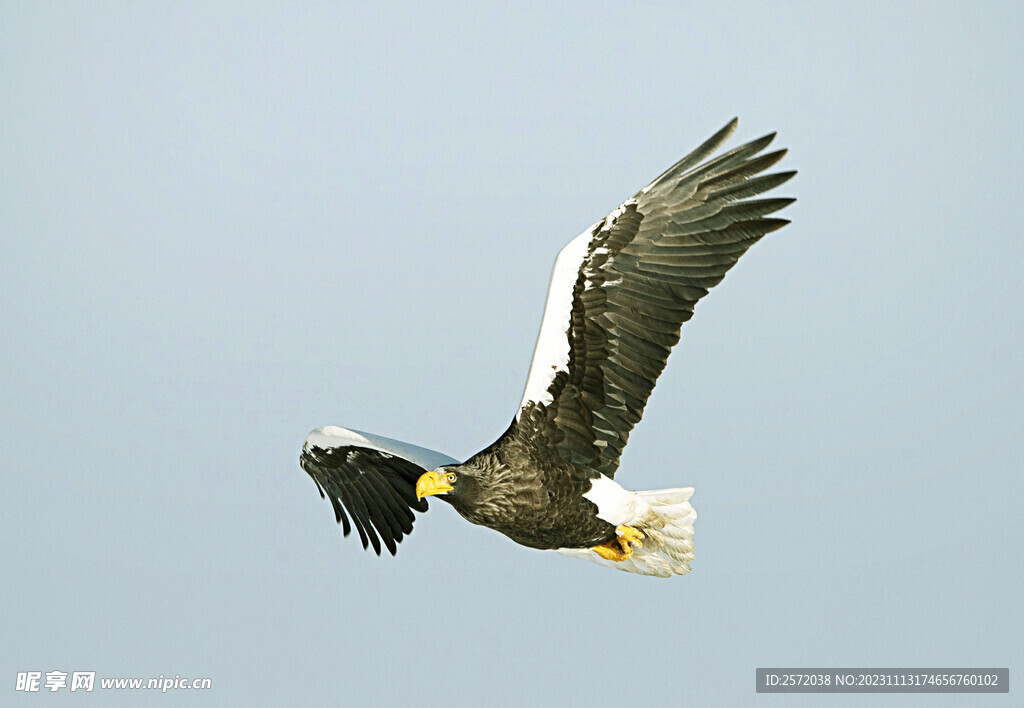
619,293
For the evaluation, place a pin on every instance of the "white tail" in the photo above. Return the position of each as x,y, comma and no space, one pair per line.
666,519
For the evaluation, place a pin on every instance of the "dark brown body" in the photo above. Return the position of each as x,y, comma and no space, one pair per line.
535,502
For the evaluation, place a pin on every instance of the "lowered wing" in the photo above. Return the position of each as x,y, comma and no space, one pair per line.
370,477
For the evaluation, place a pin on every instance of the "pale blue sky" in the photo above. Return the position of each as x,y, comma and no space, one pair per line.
225,226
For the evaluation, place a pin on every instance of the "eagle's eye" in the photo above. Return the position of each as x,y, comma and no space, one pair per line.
451,477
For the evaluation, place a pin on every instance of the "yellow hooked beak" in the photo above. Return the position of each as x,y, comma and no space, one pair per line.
432,483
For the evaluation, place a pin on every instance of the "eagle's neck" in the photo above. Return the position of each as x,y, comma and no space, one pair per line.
489,493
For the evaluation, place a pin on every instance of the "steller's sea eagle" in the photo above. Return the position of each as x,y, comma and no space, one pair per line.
619,293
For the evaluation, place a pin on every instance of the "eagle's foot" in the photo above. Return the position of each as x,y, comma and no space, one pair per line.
621,547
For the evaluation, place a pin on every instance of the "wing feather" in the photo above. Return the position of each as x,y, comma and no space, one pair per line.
370,480
621,291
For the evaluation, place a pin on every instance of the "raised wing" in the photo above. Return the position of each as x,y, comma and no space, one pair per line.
373,478
621,291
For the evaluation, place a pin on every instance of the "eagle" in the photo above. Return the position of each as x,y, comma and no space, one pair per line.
618,297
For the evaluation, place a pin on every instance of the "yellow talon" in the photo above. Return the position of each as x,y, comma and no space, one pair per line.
621,547
612,551
629,536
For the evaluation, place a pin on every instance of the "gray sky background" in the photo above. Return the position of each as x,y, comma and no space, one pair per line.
225,226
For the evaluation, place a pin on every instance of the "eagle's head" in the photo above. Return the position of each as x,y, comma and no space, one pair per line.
461,485
440,481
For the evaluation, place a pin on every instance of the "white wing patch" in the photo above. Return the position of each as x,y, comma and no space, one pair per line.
551,354
331,436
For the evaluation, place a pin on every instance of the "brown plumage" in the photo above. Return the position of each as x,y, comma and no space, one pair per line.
619,295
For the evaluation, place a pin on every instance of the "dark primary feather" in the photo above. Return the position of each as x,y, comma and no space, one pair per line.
637,285
377,489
